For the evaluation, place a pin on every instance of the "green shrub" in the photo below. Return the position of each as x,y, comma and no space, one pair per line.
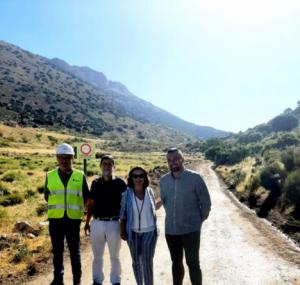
238,176
3,213
12,199
292,187
21,253
38,137
40,188
11,176
284,122
254,183
272,176
287,158
52,139
41,209
24,140
29,193
4,190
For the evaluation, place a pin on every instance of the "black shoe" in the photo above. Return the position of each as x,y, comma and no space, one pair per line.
96,283
57,282
116,284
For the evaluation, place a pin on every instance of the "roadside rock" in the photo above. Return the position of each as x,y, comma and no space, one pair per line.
25,227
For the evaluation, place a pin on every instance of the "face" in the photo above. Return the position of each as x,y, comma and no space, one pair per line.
107,167
175,161
64,162
138,177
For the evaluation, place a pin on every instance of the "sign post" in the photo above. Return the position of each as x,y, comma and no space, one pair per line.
86,150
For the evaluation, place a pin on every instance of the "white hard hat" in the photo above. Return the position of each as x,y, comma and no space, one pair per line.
65,148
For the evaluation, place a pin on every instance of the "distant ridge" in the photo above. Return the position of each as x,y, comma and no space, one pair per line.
36,91
135,106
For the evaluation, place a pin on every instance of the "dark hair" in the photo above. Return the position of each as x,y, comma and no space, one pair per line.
130,180
173,150
107,156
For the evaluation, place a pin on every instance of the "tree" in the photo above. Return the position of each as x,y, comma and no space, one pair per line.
271,178
292,190
284,123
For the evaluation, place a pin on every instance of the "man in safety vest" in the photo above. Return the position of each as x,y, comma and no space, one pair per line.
66,191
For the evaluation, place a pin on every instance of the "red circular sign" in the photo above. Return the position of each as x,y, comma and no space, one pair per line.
86,149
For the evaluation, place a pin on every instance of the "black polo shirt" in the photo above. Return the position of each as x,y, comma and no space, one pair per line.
107,197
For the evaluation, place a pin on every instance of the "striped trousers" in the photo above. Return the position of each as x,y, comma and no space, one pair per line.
142,248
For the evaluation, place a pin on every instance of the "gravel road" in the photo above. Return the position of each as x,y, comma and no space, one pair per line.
236,248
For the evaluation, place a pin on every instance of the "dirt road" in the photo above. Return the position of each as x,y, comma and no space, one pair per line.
236,248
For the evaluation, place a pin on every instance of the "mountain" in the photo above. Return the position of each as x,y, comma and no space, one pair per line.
137,107
36,91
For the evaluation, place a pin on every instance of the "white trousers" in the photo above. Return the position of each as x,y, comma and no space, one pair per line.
102,232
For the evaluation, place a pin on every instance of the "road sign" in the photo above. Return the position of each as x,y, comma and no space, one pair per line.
86,149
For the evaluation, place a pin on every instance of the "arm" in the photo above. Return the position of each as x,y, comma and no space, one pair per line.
203,197
123,217
46,190
89,203
162,196
90,206
85,191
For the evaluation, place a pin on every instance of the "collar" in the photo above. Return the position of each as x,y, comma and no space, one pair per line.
180,174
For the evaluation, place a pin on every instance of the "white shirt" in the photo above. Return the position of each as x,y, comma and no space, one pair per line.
143,220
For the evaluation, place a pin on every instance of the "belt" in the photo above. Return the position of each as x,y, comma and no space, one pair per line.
116,218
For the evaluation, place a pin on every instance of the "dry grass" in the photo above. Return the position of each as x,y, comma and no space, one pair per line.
25,156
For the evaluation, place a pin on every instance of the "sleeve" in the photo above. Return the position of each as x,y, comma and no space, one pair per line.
92,191
123,185
123,214
85,189
152,194
162,196
203,197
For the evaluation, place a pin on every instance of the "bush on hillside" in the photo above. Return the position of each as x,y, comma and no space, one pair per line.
285,140
254,183
249,137
12,199
292,187
11,176
3,213
41,209
284,122
272,176
4,190
40,188
291,158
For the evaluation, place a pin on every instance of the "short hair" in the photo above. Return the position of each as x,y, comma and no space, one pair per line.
173,150
107,156
130,180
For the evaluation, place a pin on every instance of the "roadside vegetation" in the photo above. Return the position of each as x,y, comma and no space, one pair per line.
262,167
26,154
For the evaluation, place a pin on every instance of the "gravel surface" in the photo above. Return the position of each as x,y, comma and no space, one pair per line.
236,248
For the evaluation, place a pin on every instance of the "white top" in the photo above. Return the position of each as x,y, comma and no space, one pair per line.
143,220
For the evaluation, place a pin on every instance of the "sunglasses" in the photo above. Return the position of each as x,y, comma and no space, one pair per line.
138,176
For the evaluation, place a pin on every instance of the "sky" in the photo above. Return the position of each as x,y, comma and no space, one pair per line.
228,64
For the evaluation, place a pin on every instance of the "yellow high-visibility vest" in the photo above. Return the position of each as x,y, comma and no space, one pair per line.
63,199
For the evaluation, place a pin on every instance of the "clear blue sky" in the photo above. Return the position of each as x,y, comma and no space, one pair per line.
229,64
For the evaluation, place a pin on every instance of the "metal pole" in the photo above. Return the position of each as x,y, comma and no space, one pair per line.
84,166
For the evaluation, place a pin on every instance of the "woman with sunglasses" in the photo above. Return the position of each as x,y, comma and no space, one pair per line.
138,224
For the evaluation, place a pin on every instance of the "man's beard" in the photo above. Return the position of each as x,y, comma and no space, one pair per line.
175,168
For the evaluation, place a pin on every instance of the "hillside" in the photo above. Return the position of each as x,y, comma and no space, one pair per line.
35,91
262,168
26,154
136,107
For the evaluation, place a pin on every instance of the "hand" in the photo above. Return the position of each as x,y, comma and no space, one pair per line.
87,229
123,235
